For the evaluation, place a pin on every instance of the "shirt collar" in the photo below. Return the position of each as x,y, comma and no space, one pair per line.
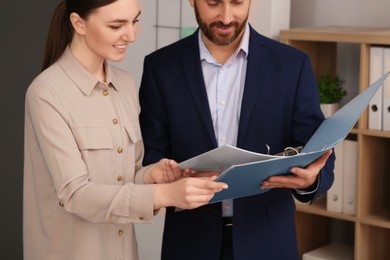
80,76
243,46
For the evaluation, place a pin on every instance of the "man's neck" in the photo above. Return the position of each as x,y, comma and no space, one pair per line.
222,53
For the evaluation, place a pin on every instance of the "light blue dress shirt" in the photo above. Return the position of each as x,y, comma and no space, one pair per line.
225,87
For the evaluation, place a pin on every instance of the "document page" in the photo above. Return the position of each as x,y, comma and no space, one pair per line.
221,158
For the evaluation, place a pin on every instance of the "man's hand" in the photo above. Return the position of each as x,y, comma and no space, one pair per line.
302,178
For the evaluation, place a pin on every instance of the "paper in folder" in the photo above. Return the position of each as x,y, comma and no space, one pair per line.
245,171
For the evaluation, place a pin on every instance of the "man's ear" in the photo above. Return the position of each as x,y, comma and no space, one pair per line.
78,23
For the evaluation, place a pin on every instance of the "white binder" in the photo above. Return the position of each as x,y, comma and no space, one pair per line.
334,251
334,196
349,176
386,93
375,105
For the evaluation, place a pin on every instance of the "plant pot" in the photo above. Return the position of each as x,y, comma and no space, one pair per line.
329,109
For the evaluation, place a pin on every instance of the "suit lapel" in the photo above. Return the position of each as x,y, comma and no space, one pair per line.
193,73
257,61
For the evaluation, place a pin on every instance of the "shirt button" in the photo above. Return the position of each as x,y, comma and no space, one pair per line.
120,232
120,178
115,121
223,138
222,102
105,92
61,203
119,150
141,218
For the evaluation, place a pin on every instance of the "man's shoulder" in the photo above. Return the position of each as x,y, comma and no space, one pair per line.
175,47
258,40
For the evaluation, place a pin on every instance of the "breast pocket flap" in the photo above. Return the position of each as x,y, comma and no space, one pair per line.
93,138
134,131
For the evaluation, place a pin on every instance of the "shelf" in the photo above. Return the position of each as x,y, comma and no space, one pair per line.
319,208
371,225
375,133
355,131
319,230
374,179
372,243
340,34
381,220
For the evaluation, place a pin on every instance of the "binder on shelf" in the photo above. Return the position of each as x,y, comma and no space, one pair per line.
350,176
375,105
334,251
386,93
334,196
245,171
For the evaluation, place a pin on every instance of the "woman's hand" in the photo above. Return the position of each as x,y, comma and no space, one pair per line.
187,193
167,171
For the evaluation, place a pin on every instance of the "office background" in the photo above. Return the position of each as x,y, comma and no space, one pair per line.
23,28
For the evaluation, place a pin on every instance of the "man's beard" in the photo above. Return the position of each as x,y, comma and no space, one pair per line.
221,40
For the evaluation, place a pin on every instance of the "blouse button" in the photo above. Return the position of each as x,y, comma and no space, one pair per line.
115,121
120,232
120,178
119,150
105,92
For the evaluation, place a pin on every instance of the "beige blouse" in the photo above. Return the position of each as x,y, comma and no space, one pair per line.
83,154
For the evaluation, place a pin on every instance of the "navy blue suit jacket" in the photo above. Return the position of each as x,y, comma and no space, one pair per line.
280,107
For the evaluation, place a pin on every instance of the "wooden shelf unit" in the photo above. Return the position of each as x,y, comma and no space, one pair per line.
371,232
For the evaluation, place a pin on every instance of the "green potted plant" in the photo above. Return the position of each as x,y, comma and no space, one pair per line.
330,91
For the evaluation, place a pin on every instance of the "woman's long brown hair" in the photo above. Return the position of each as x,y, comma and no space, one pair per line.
61,30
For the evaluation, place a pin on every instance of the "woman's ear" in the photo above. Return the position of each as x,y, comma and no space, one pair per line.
78,23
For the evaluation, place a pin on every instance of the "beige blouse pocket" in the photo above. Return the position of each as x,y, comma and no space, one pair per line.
134,131
93,138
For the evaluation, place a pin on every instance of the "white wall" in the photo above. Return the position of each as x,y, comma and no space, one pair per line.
340,12
149,37
268,17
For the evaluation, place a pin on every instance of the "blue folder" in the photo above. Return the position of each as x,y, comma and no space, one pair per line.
245,171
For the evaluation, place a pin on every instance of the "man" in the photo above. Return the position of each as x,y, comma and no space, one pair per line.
226,84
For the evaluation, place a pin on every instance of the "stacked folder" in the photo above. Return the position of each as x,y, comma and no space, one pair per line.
341,197
379,106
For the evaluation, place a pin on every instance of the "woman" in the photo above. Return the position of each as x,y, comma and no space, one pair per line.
84,185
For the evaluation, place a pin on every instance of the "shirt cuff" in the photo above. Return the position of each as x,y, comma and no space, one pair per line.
310,190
